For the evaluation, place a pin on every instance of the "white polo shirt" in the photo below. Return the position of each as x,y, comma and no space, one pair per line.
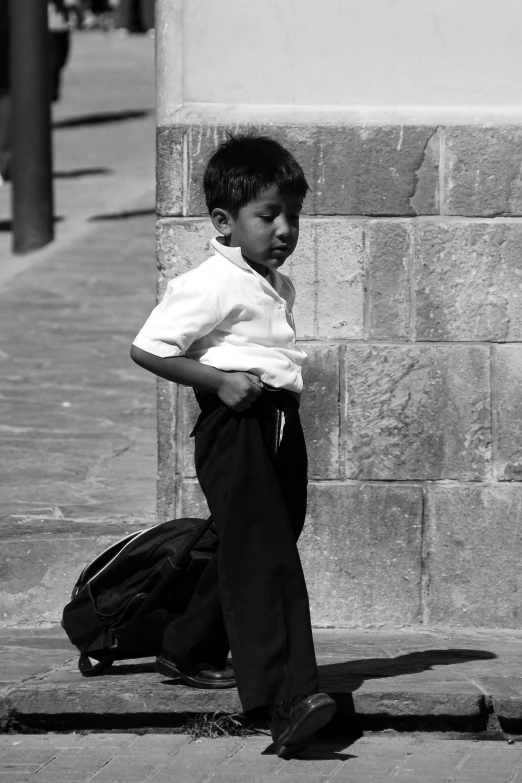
226,315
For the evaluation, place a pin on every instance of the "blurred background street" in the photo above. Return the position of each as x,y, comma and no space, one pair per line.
77,416
103,133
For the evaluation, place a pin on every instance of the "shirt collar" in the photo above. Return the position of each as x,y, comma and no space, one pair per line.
235,255
232,253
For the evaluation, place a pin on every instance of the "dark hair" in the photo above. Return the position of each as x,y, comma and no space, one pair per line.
243,166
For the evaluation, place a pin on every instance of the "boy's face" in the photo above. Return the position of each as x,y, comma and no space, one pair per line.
266,229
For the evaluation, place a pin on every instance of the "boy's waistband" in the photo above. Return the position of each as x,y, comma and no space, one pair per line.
279,398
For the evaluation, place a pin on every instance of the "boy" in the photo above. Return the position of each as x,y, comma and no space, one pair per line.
226,329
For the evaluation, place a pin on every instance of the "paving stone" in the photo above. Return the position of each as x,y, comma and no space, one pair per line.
474,545
482,171
507,361
70,776
159,743
196,760
339,247
121,770
418,412
169,171
320,410
468,281
361,553
389,170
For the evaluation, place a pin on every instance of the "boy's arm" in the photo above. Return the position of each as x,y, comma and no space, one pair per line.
237,390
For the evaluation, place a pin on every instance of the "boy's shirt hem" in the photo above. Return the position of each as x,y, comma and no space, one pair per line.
225,315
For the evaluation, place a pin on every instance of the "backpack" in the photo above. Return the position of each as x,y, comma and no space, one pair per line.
125,598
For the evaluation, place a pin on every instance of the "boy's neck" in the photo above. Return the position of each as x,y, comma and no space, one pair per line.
259,268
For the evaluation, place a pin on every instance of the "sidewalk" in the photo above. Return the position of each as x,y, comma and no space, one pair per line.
157,758
413,680
77,417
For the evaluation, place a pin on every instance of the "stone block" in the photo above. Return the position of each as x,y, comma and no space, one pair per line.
193,503
167,419
301,267
38,574
473,552
188,413
169,171
361,552
182,244
352,170
507,363
320,410
482,171
389,262
468,281
417,412
339,248
387,170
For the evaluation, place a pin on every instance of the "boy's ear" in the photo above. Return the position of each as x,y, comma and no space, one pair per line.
221,221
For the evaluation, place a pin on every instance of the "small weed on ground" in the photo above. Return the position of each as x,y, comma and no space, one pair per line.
216,725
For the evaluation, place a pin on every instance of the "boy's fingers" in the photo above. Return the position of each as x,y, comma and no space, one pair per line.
254,379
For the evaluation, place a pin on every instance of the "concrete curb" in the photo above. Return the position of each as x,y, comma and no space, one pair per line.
467,689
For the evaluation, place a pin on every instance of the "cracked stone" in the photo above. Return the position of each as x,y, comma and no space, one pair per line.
352,170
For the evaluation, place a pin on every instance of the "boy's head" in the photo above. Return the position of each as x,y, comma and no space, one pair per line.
254,189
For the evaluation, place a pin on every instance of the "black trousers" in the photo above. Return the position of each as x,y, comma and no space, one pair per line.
252,597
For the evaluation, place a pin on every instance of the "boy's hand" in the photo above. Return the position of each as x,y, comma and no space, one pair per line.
238,390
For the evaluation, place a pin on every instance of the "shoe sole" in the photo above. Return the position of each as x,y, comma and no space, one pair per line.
168,669
303,734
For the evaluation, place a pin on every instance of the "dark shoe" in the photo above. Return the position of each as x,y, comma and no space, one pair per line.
293,723
207,679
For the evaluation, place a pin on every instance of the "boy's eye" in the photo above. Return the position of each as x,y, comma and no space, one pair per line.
267,218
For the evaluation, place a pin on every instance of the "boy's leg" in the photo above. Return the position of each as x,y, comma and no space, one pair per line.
261,584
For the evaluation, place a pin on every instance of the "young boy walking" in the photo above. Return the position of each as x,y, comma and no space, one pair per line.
226,329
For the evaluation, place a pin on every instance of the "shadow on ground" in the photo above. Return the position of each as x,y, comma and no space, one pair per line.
85,172
102,118
7,224
356,672
126,215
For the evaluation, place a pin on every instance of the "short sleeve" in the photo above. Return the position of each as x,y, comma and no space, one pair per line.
190,309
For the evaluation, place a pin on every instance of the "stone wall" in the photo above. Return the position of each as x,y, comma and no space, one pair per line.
409,280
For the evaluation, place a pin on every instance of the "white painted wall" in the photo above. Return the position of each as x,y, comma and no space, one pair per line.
353,53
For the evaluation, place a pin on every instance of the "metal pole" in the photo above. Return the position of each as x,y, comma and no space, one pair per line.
31,170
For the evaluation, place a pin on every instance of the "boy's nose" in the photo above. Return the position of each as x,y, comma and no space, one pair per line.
282,228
